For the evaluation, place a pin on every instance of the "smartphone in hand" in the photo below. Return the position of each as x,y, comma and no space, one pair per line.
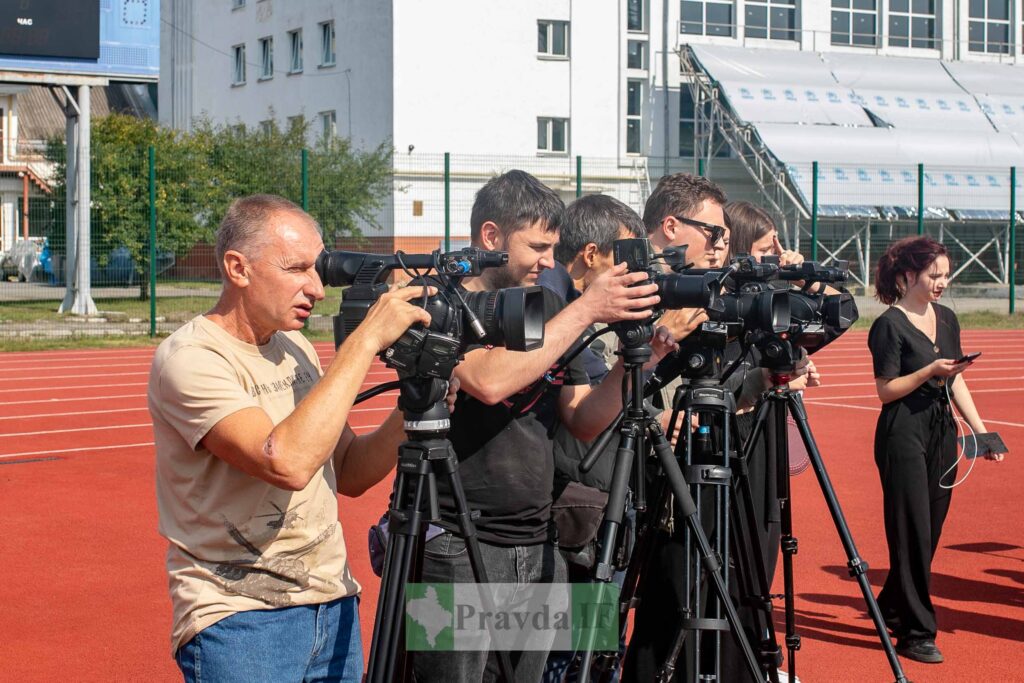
969,358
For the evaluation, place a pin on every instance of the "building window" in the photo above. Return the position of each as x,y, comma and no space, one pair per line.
327,54
235,4
687,121
295,43
771,19
328,124
635,15
295,122
988,26
912,23
634,114
636,54
239,58
553,38
266,58
266,127
855,22
552,135
708,18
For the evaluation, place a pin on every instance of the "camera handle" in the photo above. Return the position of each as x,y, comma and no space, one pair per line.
783,400
637,423
421,459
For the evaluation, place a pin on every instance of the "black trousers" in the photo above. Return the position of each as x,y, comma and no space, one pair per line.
915,448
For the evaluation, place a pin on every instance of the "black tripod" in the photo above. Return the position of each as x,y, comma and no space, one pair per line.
719,485
426,455
778,401
634,426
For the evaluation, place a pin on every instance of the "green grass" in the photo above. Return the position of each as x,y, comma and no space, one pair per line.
973,320
79,342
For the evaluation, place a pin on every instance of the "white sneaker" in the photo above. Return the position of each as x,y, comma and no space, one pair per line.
784,677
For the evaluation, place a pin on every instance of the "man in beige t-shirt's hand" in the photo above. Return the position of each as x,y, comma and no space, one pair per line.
253,446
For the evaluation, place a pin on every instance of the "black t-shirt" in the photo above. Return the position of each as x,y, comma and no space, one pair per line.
506,463
898,348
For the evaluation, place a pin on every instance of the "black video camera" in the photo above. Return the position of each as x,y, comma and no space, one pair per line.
512,317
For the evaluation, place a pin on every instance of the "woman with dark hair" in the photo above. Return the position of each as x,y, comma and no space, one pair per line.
753,232
915,348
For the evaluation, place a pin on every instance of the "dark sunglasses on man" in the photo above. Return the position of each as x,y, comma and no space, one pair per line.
714,232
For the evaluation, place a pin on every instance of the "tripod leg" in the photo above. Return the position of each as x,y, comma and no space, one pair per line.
858,568
789,543
450,467
712,564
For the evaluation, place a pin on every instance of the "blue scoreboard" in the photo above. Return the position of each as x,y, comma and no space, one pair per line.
118,39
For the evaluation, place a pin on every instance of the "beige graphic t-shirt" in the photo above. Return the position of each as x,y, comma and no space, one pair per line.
237,543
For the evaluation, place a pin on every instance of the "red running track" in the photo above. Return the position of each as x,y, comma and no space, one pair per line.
83,589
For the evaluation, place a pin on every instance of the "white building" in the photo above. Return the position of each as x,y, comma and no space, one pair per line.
532,84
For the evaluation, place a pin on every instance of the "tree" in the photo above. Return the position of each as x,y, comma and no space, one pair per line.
199,173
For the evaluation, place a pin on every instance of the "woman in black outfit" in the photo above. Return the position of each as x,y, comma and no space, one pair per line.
915,345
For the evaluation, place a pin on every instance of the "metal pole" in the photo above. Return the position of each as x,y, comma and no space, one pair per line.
78,297
700,167
152,241
24,204
579,176
920,199
447,202
814,211
1012,247
305,179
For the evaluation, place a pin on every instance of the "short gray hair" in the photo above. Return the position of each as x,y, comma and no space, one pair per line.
244,226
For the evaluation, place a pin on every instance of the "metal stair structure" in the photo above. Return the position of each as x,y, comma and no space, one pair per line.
716,126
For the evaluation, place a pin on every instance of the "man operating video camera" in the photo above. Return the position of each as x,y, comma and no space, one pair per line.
503,442
252,448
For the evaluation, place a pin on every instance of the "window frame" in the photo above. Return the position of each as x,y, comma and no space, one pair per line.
635,120
551,26
704,6
850,11
986,24
295,51
790,7
910,15
239,66
643,54
237,4
266,58
549,123
328,44
323,117
643,17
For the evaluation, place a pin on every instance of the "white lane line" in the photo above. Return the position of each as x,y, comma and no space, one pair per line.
876,409
74,450
78,429
973,391
125,374
88,366
82,412
80,386
974,380
65,400
146,424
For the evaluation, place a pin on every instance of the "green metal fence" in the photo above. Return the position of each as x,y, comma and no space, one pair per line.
164,212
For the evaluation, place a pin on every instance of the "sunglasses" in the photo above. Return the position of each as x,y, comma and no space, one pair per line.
714,232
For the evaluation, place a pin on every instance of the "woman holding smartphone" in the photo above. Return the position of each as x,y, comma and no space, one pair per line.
915,349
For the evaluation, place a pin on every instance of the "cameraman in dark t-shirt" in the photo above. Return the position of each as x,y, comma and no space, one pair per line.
505,455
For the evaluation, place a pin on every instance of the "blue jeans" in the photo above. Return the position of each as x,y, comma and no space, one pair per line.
291,644
446,560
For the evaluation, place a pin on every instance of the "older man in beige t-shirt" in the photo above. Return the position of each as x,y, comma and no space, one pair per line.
253,446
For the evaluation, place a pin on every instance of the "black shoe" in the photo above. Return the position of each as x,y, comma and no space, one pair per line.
920,651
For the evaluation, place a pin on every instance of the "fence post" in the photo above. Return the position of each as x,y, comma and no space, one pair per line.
447,202
1012,247
920,199
152,241
814,211
700,167
305,179
579,176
